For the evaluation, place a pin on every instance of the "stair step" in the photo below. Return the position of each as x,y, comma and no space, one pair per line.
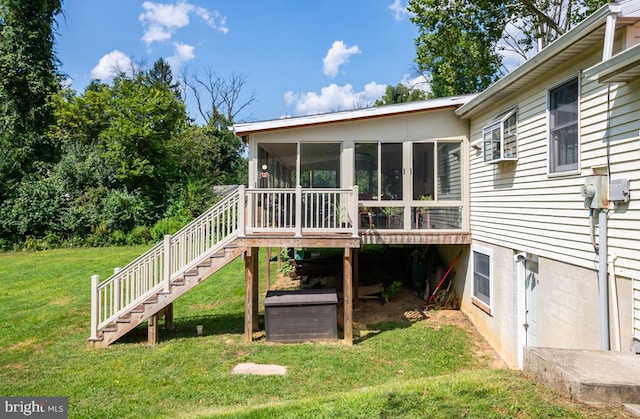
205,263
192,272
138,309
151,300
110,328
124,319
179,282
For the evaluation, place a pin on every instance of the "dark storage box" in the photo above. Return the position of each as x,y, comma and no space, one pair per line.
301,315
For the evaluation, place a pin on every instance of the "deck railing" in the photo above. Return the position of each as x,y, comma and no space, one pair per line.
241,212
301,210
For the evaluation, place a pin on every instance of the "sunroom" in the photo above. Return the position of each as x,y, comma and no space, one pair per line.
392,174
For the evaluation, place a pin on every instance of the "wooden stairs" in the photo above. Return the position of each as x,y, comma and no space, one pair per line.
158,303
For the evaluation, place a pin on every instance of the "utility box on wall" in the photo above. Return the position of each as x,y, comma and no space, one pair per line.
595,192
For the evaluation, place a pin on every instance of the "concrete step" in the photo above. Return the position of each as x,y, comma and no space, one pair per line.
591,376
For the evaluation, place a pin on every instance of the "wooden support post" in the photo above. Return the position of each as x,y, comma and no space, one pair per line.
267,270
168,317
347,285
152,330
254,293
279,259
248,299
251,293
356,277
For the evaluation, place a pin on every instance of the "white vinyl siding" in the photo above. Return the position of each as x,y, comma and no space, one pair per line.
517,205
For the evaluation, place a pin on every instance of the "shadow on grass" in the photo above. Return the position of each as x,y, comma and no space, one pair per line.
376,329
185,327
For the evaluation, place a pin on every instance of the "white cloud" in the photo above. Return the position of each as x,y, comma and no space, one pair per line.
111,64
419,82
334,98
399,9
337,55
161,21
181,54
215,19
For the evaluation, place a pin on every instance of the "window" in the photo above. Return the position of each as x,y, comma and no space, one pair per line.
320,165
482,283
563,127
500,138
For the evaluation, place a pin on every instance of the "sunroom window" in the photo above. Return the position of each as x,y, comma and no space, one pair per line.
500,138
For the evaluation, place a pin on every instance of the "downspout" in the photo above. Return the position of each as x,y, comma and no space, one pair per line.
602,280
614,301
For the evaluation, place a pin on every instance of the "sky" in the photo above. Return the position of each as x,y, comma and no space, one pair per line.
298,57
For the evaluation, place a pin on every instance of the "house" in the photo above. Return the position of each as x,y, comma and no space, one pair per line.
532,181
567,118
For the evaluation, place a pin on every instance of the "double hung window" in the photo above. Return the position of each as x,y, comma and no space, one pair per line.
563,127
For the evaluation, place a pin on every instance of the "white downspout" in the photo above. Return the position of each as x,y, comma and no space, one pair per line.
610,33
614,300
602,280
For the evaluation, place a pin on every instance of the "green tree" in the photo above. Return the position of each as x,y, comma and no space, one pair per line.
400,94
29,78
459,41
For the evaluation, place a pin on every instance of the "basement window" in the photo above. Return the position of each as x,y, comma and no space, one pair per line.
500,138
482,287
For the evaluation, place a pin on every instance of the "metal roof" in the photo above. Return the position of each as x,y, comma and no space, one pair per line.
356,114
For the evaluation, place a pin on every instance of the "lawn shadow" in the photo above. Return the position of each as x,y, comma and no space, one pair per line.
376,329
185,327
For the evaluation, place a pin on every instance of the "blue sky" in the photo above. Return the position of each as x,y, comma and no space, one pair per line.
299,57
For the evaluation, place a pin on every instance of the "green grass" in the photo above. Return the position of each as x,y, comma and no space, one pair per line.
402,371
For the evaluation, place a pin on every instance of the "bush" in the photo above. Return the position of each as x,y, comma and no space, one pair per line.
139,235
169,225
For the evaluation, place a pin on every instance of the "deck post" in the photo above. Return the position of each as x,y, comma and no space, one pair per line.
356,277
241,211
152,330
298,220
251,293
95,280
348,298
267,269
355,218
254,291
168,317
167,262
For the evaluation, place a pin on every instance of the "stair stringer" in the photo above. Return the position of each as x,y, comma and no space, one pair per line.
179,286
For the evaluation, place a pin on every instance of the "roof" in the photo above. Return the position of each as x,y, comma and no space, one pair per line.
622,67
585,34
374,112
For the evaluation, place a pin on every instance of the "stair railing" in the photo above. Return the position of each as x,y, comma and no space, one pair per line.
153,271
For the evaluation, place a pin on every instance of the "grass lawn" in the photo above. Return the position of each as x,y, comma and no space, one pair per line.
416,371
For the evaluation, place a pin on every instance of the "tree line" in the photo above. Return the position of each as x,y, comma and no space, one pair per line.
120,162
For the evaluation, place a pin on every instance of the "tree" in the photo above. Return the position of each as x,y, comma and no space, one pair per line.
400,94
29,78
459,41
218,99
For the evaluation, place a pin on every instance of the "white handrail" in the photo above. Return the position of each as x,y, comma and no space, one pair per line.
152,272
